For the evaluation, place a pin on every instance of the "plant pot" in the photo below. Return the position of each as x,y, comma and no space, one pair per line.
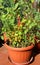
19,55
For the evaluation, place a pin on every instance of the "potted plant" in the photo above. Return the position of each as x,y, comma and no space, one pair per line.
20,43
17,31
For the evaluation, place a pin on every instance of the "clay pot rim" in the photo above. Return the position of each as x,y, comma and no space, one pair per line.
19,49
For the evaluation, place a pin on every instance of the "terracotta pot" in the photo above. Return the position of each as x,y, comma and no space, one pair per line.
19,55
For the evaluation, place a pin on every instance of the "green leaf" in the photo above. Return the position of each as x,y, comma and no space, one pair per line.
32,1
25,31
2,38
33,24
23,20
19,33
1,1
16,5
28,22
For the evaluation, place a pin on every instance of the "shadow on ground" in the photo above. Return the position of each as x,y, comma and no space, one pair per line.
34,53
1,42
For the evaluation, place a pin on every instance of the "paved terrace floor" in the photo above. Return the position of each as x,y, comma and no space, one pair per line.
4,60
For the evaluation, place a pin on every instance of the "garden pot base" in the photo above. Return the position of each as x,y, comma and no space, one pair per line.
27,63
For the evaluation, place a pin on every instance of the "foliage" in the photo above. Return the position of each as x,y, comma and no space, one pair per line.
19,35
37,33
19,21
